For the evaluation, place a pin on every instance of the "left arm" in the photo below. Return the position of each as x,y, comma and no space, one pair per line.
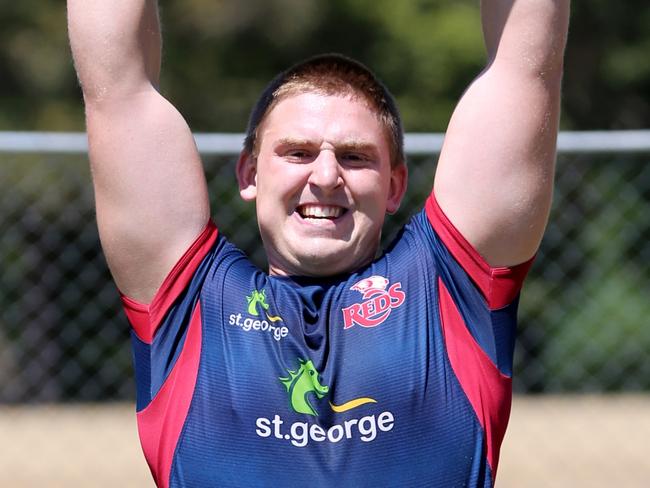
495,174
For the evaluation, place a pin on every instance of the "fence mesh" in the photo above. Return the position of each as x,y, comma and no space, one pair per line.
584,313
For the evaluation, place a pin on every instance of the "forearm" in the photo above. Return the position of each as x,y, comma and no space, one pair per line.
115,45
527,35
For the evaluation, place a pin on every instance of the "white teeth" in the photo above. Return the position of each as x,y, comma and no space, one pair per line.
320,212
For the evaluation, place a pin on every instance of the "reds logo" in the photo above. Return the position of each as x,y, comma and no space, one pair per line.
378,302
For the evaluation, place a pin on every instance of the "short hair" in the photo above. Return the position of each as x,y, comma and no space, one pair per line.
331,74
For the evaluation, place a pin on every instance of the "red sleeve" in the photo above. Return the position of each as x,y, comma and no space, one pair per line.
499,285
145,319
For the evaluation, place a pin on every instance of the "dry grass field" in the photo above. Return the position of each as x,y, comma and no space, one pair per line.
565,441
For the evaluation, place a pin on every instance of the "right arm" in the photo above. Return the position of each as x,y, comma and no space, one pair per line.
150,190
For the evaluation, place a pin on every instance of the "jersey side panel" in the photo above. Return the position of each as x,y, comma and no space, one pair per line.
488,390
161,422
166,337
478,306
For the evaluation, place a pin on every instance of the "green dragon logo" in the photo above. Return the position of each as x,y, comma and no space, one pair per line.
259,298
304,381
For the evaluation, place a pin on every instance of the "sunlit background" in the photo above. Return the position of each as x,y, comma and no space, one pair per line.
581,415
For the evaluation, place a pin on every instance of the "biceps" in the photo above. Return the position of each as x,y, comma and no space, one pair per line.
150,190
494,179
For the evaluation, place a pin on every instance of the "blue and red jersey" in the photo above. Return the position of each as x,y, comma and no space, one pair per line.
396,375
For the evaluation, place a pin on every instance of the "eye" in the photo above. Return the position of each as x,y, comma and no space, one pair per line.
298,155
355,158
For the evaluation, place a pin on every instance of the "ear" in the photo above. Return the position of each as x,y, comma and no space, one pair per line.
247,176
397,188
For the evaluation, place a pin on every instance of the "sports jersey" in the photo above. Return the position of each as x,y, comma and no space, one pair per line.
398,374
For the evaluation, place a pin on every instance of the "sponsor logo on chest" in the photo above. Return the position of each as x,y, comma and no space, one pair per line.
305,389
379,300
259,319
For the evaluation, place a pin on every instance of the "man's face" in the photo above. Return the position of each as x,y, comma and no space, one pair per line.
323,184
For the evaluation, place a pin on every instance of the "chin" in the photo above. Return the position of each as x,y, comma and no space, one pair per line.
322,267
319,257
330,262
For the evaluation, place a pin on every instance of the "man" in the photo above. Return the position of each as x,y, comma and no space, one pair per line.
336,367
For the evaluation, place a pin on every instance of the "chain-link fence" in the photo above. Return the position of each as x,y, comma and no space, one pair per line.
584,315
585,312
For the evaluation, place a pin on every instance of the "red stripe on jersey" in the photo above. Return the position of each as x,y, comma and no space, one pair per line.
488,391
138,315
161,422
499,286
145,319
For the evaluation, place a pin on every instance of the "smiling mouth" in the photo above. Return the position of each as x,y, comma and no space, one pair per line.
328,212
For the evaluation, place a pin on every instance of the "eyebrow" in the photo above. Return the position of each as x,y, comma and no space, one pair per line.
350,144
293,141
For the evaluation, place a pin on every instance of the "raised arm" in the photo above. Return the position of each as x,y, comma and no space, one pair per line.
150,190
495,175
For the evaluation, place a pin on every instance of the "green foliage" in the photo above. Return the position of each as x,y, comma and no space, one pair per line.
219,55
607,74
426,52
37,83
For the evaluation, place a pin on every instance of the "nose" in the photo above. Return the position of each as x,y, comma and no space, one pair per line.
326,171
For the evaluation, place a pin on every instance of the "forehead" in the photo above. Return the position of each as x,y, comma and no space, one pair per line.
324,118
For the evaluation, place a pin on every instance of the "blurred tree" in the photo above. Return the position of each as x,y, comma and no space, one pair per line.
219,54
37,83
607,69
